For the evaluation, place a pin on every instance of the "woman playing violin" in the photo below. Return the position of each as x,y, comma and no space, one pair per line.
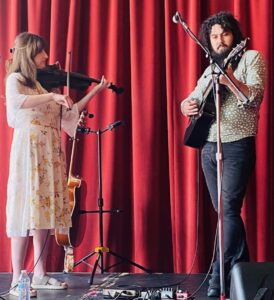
37,198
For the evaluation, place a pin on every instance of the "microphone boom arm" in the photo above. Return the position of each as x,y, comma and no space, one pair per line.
177,19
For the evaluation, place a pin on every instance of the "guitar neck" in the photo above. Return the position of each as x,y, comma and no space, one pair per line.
72,155
208,89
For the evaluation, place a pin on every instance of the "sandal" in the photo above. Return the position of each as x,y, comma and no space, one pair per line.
15,292
48,283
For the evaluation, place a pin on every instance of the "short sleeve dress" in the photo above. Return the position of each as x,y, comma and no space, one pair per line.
37,196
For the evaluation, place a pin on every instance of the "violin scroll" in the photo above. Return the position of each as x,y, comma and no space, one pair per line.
116,89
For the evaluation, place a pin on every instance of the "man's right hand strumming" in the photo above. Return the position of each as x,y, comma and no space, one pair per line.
189,107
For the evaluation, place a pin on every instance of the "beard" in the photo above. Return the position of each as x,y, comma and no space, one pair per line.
220,57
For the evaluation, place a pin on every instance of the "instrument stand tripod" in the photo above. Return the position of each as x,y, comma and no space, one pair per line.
100,250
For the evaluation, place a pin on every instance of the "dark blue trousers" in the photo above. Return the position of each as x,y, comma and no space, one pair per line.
238,163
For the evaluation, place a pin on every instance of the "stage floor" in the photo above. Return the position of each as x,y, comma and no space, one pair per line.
110,283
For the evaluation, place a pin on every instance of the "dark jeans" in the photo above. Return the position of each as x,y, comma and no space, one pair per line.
238,162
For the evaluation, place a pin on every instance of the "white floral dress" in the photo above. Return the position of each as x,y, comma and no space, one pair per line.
37,196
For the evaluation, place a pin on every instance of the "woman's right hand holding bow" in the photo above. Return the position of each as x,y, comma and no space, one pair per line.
63,100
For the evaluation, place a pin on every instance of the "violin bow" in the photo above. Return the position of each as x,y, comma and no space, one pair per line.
68,75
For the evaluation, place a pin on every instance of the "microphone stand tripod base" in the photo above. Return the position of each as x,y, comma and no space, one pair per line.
101,249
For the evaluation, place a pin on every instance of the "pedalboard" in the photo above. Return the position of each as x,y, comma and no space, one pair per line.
148,294
120,294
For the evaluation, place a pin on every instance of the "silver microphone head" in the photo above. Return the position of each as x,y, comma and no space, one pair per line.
176,17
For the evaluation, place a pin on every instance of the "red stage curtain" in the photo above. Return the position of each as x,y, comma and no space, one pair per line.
147,173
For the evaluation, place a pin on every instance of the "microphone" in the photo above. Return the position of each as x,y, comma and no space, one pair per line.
115,124
176,17
87,130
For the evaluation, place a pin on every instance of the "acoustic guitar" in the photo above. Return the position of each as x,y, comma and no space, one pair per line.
63,236
198,128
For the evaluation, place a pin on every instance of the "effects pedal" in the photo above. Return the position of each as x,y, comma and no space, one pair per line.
181,295
167,293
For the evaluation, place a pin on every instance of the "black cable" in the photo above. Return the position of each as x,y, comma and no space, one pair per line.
208,271
197,236
197,217
212,258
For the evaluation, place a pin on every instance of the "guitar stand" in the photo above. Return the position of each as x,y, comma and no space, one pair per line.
100,250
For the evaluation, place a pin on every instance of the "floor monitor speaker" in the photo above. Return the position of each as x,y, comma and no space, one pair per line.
252,281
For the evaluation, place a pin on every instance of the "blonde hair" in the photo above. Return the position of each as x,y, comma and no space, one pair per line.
26,47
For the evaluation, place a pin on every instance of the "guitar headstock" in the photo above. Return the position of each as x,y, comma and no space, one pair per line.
82,122
82,119
236,52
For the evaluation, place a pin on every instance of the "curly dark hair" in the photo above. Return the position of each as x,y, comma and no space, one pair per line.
228,23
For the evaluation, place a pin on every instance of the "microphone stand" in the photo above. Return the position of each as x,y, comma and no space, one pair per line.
216,91
101,248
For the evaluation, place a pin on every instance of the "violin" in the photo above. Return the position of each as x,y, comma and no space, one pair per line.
53,77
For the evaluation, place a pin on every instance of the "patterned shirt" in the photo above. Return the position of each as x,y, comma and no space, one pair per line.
238,119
